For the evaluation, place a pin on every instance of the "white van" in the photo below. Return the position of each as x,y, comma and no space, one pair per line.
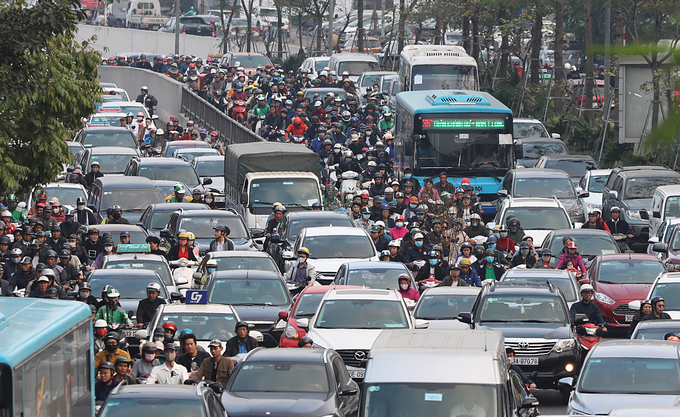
145,14
354,63
665,205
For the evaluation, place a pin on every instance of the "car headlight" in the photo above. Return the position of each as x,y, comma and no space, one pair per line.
576,211
317,346
564,345
633,214
592,206
291,332
671,267
604,298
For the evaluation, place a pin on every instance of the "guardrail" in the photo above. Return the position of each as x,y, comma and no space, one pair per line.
210,117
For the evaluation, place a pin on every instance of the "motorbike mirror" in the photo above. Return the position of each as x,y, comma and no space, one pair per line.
141,334
528,402
198,282
422,324
165,234
257,233
580,318
197,275
635,305
275,238
131,314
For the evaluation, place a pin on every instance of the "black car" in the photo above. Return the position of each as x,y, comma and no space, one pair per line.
91,137
590,243
167,169
631,189
574,165
534,318
202,224
191,25
163,400
111,159
530,150
132,194
155,218
257,296
291,382
293,222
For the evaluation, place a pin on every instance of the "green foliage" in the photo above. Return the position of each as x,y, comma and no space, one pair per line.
291,62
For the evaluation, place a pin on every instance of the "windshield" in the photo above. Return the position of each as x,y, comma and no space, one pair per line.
535,150
111,119
361,314
268,12
544,187
566,286
307,304
210,168
282,376
297,225
190,154
320,64
544,218
172,148
132,287
381,278
230,263
203,227
142,199
386,83
97,138
125,108
587,245
629,272
655,332
576,168
513,308
644,187
126,407
180,173
444,77
206,326
672,209
191,21
111,164
357,67
158,267
429,399
521,130
160,220
446,149
66,195
311,92
249,292
293,192
669,292
252,61
596,184
631,376
337,246
443,307
369,80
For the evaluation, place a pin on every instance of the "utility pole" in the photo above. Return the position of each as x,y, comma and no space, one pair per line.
331,12
607,41
177,15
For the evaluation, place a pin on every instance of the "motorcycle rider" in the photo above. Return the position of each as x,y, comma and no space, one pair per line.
273,223
516,231
453,279
475,228
365,221
112,312
468,274
241,343
85,294
379,240
658,306
84,215
106,383
524,257
221,241
419,251
645,310
181,249
395,256
546,261
405,288
93,174
378,187
111,351
573,256
142,367
618,225
431,270
490,268
595,222
116,216
147,307
302,273
260,109
587,307
505,243
178,195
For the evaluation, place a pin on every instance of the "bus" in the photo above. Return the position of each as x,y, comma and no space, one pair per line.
467,134
46,358
437,67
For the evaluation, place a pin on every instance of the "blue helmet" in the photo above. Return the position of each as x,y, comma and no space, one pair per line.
492,239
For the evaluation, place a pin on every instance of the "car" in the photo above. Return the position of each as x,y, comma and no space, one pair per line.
381,275
93,136
115,91
135,261
655,329
384,82
173,145
257,296
105,119
74,147
124,107
665,205
291,382
529,150
647,411
369,78
354,63
631,189
619,279
535,321
137,234
190,25
562,279
440,306
590,242
132,194
331,247
544,183
112,159
667,286
230,260
107,85
371,45
529,128
202,223
212,166
67,193
156,216
198,400
167,189
188,154
166,169
248,60
593,183
574,165
315,65
663,235
538,216
322,91
293,222
618,373
668,251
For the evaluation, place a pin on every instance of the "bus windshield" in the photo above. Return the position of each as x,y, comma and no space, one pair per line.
446,149
444,77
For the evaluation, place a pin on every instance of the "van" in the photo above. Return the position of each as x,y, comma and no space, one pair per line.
665,205
355,64
459,372
145,14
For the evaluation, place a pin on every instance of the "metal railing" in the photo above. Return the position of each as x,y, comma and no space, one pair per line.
210,117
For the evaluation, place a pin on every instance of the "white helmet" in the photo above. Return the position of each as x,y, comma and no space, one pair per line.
159,132
348,154
100,323
586,287
153,286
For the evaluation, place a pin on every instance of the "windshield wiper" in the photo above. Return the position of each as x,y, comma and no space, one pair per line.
296,205
494,321
532,321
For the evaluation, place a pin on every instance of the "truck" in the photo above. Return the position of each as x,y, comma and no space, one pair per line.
145,14
259,174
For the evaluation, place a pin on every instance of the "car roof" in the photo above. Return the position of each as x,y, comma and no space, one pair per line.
364,265
638,348
451,291
113,150
185,142
198,308
378,73
209,158
569,157
600,171
162,161
315,289
362,294
346,56
307,214
208,213
524,288
533,202
107,128
539,173
116,182
124,273
176,206
628,256
238,254
246,274
333,231
581,232
157,391
284,355
525,120
118,228
650,172
60,185
136,256
197,150
537,273
538,139
667,277
658,323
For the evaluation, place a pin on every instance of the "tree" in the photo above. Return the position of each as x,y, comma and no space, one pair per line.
48,84
248,10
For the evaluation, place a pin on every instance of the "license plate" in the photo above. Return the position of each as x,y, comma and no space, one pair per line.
219,199
129,332
525,361
629,317
356,374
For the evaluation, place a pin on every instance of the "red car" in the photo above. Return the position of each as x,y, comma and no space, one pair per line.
305,306
619,279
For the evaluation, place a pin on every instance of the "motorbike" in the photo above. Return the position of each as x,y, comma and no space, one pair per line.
239,111
621,239
258,125
587,334
183,274
348,186
428,283
192,83
277,136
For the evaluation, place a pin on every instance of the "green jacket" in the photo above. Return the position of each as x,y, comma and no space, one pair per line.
260,111
113,316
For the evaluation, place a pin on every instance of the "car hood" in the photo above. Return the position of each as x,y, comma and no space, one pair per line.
526,162
133,216
638,203
274,404
331,266
130,304
448,325
217,183
260,313
568,203
604,403
344,338
624,292
529,330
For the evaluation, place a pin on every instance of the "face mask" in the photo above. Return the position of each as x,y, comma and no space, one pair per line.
158,339
111,348
336,151
474,222
525,252
489,259
149,357
413,205
100,332
403,287
419,243
84,295
116,215
95,169
170,357
301,260
420,217
208,200
16,260
546,259
407,176
400,224
366,216
112,303
34,251
108,248
211,270
81,207
492,246
55,211
433,262
504,235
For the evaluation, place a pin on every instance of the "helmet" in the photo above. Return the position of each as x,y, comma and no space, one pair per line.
149,347
394,243
241,324
64,254
280,208
586,288
348,154
106,365
479,251
615,208
15,252
305,340
513,222
85,286
170,325
153,286
297,120
656,300
475,216
212,263
466,245
112,335
303,250
464,262
492,239
110,293
184,333
101,323
116,208
503,228
140,114
572,245
183,235
524,245
385,253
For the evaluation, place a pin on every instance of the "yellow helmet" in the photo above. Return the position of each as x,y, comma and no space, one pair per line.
275,204
191,236
183,235
303,250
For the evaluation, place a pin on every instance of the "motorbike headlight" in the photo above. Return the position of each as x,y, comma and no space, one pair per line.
633,214
564,345
291,332
604,298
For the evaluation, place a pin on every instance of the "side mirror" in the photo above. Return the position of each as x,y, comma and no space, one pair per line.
165,234
502,193
303,323
141,334
288,255
177,296
660,247
244,199
92,207
207,181
567,383
635,305
275,238
656,214
528,402
580,318
584,194
556,136
283,315
614,195
584,281
347,390
197,275
257,233
652,240
408,148
422,324
465,318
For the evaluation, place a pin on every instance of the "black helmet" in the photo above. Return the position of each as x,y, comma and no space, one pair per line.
51,254
524,245
656,300
106,365
4,240
112,335
85,286
241,324
479,251
51,293
304,340
513,222
490,252
121,359
105,290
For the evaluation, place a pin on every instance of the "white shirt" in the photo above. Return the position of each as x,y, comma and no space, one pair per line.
161,374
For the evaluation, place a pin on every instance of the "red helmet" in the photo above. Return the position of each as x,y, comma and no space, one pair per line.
192,65
170,325
571,245
297,120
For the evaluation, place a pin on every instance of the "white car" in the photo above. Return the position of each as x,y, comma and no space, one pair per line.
440,306
530,128
663,235
330,247
667,286
593,183
537,216
124,107
315,65
349,321
369,78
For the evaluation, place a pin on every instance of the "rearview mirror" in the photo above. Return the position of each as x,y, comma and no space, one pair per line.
584,194
635,305
660,247
567,383
283,315
197,275
274,238
408,148
556,136
244,199
288,255
656,214
303,323
528,402
465,318
584,281
652,240
502,193
257,233
207,181
177,296
165,234
580,318
422,324
347,390
141,334
614,195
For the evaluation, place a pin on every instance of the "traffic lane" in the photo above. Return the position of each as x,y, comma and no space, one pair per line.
550,402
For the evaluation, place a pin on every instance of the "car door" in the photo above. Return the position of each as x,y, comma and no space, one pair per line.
348,404
518,392
340,276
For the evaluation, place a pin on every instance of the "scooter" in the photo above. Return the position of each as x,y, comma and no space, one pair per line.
183,274
587,334
239,111
620,239
428,283
348,186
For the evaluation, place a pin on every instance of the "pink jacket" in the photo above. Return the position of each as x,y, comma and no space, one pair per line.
576,259
398,232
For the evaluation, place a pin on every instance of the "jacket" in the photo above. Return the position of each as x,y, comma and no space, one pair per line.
185,359
599,224
105,356
101,390
173,254
417,254
225,367
591,310
497,270
576,259
118,315
529,261
448,282
146,309
410,293
381,244
213,245
20,279
541,265
292,273
424,273
472,278
231,348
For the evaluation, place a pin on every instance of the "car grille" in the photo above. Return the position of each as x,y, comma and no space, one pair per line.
350,357
325,279
624,310
644,214
532,348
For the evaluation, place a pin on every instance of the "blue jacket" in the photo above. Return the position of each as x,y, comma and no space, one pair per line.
101,390
471,278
